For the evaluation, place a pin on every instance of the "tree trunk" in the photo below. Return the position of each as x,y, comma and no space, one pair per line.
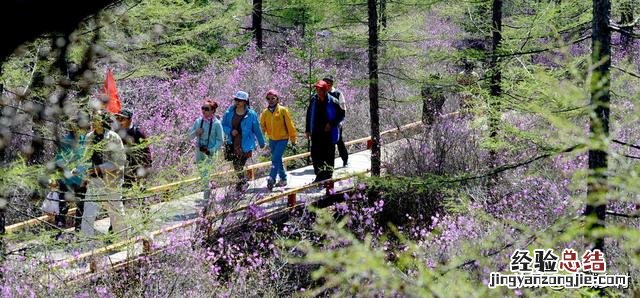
373,88
495,90
599,123
2,195
4,142
256,20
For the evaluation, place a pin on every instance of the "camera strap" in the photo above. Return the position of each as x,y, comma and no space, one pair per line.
209,133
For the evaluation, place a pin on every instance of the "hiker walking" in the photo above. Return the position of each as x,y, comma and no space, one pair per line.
323,119
467,79
432,100
106,175
342,149
138,152
207,130
241,128
277,125
68,159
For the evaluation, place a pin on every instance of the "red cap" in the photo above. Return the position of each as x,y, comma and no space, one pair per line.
322,84
273,92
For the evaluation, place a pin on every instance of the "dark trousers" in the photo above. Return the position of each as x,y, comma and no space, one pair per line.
238,165
78,192
323,153
342,149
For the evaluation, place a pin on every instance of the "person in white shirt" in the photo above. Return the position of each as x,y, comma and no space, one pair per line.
107,158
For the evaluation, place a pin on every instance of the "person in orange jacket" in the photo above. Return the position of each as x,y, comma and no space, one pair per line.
278,126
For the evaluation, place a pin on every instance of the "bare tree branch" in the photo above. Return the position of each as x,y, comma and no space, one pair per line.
633,74
536,51
619,29
626,144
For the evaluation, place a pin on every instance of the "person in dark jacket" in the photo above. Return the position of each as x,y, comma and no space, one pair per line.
138,152
342,149
322,126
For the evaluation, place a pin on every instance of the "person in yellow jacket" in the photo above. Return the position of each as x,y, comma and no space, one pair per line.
278,126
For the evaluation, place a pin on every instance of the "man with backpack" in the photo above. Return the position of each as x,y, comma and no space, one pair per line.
342,149
107,158
322,126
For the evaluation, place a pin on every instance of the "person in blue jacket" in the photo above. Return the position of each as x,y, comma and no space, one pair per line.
324,115
68,160
210,137
241,128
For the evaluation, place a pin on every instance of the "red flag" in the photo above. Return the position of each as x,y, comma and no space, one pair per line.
113,101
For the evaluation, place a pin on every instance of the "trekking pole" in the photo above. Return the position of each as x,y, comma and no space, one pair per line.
309,150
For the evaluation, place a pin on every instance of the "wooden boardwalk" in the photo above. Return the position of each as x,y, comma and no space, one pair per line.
178,219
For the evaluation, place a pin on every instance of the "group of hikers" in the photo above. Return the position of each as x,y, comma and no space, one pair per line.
115,154
96,166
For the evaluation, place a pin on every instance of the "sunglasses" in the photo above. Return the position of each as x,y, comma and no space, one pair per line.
120,118
206,109
271,98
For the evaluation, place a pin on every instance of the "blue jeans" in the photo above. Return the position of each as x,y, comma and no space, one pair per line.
277,166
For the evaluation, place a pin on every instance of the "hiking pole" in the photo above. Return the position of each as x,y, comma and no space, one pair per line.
309,149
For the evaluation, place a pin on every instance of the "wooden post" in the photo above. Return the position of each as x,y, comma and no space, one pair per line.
291,200
251,174
146,246
93,265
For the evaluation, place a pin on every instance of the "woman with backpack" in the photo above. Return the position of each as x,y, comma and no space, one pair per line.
241,127
277,124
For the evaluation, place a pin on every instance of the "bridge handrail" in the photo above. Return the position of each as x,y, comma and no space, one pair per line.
164,187
214,216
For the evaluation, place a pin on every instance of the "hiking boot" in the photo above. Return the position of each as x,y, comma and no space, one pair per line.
242,185
282,183
345,163
60,225
270,184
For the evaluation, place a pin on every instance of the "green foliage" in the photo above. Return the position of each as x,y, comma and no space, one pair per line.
176,35
297,13
19,176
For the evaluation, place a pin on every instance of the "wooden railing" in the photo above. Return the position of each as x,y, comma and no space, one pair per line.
251,169
147,240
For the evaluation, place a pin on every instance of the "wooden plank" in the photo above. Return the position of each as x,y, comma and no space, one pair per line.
25,224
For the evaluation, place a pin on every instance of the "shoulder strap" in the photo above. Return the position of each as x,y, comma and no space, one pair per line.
209,133
284,112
